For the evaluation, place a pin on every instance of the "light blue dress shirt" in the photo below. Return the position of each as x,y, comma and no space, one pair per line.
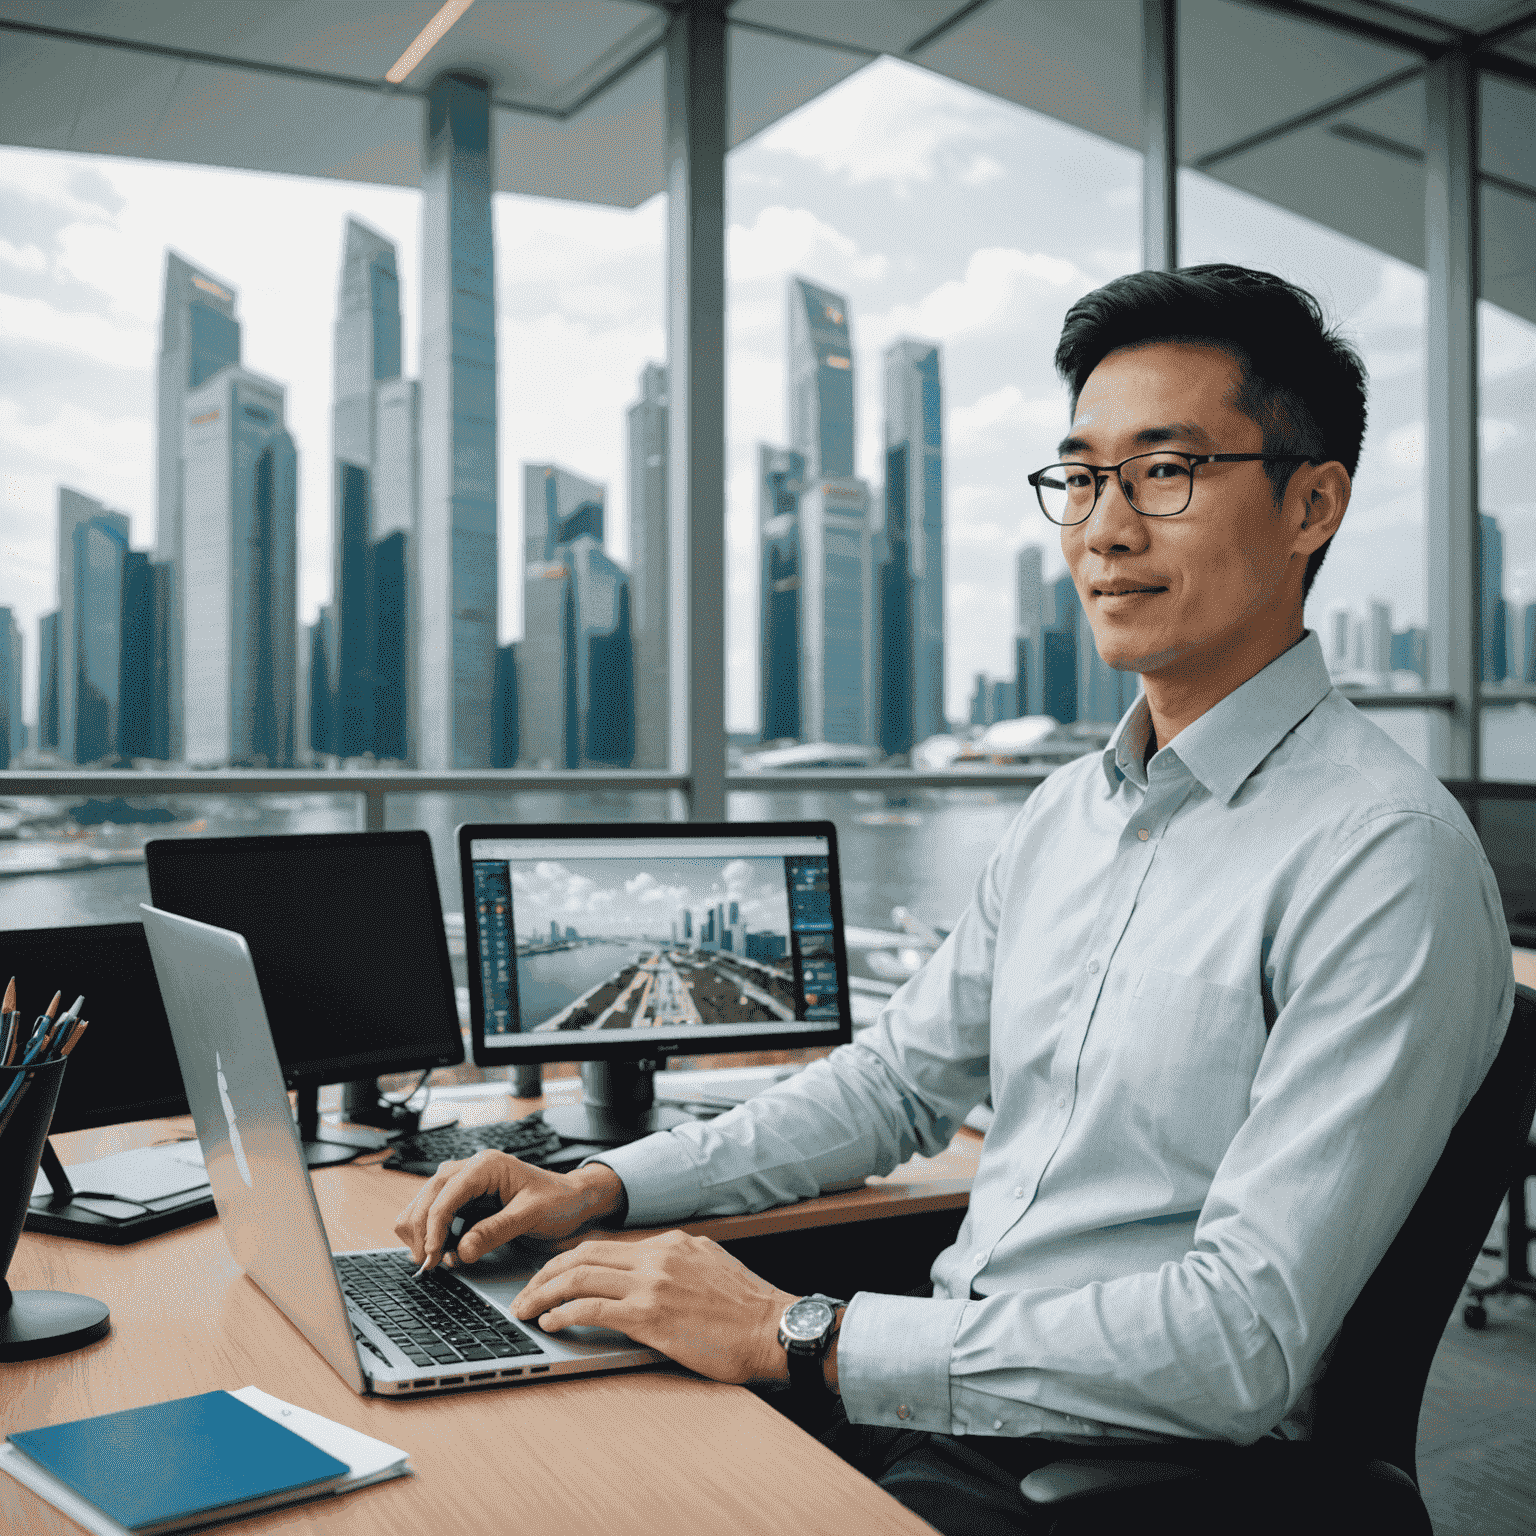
1228,1006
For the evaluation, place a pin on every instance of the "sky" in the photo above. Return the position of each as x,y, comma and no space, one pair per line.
607,897
938,211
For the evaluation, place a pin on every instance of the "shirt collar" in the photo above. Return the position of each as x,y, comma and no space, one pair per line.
1233,737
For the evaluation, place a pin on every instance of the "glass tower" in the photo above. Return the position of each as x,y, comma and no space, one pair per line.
820,381
456,566
780,482
240,574
367,356
649,556
100,551
13,734
912,633
575,665
75,511
199,334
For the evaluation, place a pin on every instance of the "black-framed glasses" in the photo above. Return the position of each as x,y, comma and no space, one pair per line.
1155,484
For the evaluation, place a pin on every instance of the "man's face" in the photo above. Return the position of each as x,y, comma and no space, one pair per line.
1161,592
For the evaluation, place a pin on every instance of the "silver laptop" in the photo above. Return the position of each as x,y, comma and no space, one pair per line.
382,1331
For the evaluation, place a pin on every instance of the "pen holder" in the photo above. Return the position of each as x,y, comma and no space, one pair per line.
34,1323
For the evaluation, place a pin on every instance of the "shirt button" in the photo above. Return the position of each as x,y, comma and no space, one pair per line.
1093,967
1061,1103
1019,1193
997,1423
903,1412
1142,833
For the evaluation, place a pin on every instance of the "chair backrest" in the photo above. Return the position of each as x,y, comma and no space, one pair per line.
1370,1398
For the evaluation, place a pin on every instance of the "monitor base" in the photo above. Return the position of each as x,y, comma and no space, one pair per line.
594,1123
329,1154
37,1324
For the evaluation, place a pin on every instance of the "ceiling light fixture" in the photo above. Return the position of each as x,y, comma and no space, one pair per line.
428,39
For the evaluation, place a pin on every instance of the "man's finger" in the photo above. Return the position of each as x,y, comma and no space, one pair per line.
595,1250
589,1280
512,1220
591,1312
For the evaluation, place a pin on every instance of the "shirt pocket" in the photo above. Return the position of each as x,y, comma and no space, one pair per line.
1193,1047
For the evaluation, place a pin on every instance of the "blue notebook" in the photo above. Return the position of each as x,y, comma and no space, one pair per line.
181,1463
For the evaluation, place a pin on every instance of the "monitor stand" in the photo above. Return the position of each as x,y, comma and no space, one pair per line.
618,1105
326,1146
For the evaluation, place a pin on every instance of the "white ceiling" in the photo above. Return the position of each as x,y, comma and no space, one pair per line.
297,86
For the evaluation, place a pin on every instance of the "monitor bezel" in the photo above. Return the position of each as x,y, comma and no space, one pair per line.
120,1113
364,1064
620,1045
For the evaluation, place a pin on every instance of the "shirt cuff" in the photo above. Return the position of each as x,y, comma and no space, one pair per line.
893,1357
659,1178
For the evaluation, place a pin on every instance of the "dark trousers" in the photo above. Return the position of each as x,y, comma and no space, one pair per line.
962,1485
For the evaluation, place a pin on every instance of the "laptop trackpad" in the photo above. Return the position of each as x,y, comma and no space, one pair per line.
502,1273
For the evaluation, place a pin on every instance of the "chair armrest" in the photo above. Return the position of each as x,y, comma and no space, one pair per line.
1065,1483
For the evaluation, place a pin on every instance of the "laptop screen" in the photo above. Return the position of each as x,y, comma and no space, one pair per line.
692,942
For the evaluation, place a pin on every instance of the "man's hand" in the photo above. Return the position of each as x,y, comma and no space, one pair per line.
685,1296
535,1203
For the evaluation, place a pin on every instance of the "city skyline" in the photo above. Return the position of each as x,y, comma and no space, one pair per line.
581,293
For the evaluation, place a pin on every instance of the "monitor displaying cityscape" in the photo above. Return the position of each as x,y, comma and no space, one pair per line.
686,939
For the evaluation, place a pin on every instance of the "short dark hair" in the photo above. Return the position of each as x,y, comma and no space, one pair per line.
1302,382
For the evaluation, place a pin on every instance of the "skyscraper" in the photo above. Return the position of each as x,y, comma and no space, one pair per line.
396,541
75,511
576,661
914,529
456,566
780,482
1529,650
13,733
48,681
649,563
100,552
199,334
1058,653
239,573
1029,623
820,381
836,570
138,704
367,354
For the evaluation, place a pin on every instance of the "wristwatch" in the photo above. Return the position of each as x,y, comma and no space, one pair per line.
806,1332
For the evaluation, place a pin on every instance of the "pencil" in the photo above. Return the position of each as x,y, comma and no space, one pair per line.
51,1012
9,1005
74,1038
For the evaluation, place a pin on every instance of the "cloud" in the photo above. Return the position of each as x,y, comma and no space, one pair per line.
784,240
982,172
1005,413
890,123
25,258
90,336
642,882
1002,286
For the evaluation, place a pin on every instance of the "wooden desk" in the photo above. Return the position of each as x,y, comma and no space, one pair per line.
657,1450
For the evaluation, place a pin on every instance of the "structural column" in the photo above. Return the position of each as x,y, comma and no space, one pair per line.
695,149
1451,523
1159,135
457,564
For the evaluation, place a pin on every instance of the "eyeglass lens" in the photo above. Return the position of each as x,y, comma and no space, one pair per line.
1156,484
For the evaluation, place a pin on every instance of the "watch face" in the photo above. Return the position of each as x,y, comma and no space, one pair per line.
808,1319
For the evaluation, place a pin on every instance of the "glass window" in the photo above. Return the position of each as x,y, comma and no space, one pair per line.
900,265
1307,161
1507,430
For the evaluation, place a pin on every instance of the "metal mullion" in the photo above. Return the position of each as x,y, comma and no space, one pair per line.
697,136
1451,525
1159,135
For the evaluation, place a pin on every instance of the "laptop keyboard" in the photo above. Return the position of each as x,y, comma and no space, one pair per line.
436,1320
529,1139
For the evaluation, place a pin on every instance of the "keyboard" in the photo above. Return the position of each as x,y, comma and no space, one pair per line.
529,1139
436,1320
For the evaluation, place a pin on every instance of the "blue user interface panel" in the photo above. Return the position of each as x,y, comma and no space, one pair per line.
685,939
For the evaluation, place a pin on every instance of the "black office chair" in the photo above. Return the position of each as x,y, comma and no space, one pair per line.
1358,1471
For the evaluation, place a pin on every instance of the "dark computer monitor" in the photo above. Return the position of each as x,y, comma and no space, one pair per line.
346,935
126,1066
125,1069
618,945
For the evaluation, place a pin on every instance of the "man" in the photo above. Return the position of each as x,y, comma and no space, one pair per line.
1229,985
